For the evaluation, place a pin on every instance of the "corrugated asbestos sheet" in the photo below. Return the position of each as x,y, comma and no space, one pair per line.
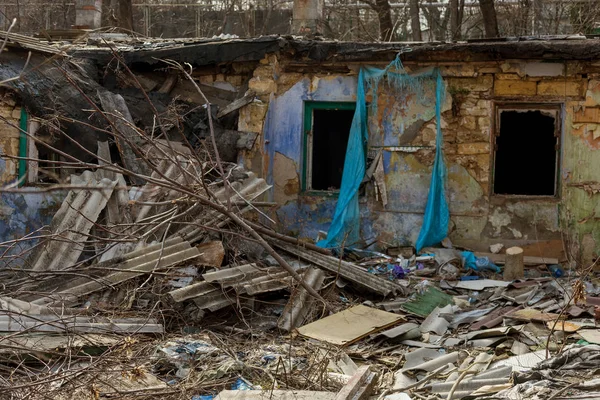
220,288
134,264
29,43
247,189
298,307
346,270
72,223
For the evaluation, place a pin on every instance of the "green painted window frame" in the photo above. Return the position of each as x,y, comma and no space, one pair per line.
309,107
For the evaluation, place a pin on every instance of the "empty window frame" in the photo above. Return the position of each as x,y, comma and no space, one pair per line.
527,148
326,131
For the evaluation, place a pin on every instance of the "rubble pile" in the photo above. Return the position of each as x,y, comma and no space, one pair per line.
163,275
194,308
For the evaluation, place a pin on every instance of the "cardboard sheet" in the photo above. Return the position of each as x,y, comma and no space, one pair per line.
349,325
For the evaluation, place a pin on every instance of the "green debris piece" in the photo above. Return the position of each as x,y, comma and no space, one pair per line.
427,301
582,342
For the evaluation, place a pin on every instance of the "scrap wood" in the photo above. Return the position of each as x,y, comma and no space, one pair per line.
531,314
237,104
345,269
527,260
350,325
360,386
117,113
274,395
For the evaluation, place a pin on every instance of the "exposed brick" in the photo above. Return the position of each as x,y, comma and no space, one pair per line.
468,122
514,88
262,86
473,148
464,70
206,79
252,117
16,113
560,88
508,77
479,84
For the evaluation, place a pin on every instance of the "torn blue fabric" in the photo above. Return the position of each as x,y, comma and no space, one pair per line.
345,226
437,215
344,230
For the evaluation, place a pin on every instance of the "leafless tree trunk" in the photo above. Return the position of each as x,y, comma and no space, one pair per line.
125,18
415,23
454,22
490,22
384,15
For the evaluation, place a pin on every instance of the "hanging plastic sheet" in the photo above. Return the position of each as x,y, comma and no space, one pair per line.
437,215
344,230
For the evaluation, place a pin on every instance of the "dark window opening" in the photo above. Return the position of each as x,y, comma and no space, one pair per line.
330,132
526,153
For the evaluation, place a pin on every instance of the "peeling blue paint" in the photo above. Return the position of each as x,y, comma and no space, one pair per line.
22,214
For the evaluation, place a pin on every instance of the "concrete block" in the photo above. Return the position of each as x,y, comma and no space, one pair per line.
473,148
560,88
544,69
235,80
515,88
8,131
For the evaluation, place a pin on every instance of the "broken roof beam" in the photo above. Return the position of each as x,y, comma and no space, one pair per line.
346,270
237,104
127,136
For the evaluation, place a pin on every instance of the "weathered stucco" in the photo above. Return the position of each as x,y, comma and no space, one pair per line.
407,119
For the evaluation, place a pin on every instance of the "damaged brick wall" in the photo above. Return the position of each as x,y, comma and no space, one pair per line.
472,90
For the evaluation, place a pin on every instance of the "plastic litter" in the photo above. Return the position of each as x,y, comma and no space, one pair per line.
242,384
555,270
470,261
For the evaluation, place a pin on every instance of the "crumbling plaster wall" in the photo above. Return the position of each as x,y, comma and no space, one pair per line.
472,89
20,213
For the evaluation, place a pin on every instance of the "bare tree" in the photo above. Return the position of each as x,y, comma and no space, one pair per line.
490,22
415,22
125,14
384,15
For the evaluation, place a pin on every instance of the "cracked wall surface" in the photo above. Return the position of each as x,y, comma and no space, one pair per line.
405,119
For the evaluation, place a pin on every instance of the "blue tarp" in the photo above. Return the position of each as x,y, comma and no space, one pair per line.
344,230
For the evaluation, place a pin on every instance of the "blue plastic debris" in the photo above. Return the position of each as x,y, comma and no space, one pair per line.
471,261
555,270
241,384
203,397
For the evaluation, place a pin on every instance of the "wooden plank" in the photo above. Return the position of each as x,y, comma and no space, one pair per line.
237,104
527,260
355,384
274,395
350,325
